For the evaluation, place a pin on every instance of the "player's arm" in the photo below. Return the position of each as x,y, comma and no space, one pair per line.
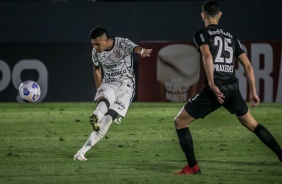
208,67
97,72
254,99
142,51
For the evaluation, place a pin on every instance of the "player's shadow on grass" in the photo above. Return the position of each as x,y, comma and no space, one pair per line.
267,163
169,166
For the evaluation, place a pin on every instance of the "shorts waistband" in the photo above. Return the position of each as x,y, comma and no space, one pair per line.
229,87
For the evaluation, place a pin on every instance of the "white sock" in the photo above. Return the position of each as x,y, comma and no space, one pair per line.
97,136
101,110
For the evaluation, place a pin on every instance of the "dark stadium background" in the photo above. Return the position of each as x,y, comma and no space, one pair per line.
56,32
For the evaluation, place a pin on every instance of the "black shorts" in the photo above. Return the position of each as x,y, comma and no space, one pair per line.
206,102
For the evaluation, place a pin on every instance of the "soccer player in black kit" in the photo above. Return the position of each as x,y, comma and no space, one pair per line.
217,48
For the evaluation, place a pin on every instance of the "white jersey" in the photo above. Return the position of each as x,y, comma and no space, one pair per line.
117,63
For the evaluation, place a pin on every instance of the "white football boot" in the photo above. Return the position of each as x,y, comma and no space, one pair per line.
79,156
118,120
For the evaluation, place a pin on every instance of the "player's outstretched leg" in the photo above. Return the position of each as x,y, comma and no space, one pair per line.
95,137
261,132
265,136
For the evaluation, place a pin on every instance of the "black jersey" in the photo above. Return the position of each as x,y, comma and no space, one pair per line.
223,47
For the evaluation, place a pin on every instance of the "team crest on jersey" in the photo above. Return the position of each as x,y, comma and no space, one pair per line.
118,54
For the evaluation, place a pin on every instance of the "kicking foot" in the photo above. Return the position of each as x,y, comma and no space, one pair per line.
79,156
94,121
189,170
118,120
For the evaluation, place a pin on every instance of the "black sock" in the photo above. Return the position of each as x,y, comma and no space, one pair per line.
268,139
186,143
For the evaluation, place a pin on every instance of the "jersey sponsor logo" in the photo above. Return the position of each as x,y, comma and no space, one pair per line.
111,66
220,31
110,80
115,73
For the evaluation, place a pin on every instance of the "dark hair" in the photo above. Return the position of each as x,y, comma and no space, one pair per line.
211,8
98,31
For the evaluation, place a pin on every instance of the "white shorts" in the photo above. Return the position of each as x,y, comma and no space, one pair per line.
119,97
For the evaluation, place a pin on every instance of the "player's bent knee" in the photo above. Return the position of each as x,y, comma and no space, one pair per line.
102,99
248,121
179,123
182,121
112,113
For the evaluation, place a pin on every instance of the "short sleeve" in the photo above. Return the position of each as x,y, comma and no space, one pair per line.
238,48
201,38
95,58
129,45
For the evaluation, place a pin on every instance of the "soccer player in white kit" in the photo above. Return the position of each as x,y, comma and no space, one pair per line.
115,82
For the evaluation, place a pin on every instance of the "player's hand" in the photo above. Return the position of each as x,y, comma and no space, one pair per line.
146,52
219,95
254,99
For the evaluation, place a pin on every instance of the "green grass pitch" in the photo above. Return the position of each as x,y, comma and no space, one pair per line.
38,141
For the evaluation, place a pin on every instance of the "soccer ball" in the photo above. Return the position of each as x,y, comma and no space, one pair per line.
29,91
